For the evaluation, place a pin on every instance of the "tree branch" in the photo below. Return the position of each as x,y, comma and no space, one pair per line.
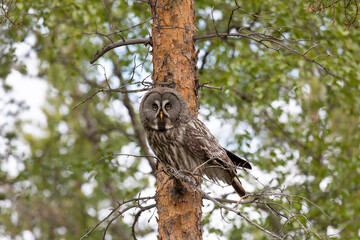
266,199
103,90
260,38
119,44
119,205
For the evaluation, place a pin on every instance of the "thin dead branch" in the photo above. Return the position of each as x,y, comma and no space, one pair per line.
122,89
127,207
273,201
205,85
126,154
103,90
119,44
98,224
137,216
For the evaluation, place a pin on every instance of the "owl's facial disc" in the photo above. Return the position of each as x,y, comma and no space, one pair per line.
161,111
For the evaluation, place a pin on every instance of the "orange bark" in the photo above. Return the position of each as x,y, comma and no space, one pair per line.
174,61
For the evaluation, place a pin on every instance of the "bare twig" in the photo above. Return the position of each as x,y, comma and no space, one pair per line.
101,34
106,79
126,154
142,209
119,44
204,85
255,15
94,227
123,89
204,58
114,218
103,90
88,98
307,51
134,26
213,20
230,19
119,205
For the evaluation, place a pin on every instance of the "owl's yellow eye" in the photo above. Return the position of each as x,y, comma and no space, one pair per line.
168,106
155,107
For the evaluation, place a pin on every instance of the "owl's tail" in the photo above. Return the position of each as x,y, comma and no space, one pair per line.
238,187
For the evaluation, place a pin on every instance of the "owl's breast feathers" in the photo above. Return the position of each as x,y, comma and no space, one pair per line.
170,149
190,146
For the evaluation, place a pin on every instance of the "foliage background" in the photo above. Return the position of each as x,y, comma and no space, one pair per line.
297,125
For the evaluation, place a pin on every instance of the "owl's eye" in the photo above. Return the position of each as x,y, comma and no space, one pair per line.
168,106
155,107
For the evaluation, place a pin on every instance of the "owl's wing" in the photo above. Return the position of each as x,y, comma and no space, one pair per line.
203,145
200,142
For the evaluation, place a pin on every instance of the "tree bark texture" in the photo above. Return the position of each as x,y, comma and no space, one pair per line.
174,61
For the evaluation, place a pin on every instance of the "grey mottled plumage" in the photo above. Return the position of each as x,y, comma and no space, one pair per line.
182,141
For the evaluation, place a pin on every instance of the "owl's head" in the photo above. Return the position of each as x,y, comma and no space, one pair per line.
162,108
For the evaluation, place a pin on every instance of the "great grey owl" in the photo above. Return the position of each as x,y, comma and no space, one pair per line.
182,141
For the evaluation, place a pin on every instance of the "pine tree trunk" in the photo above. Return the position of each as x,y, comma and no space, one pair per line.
174,61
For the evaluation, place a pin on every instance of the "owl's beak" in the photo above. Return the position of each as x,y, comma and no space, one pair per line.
161,115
